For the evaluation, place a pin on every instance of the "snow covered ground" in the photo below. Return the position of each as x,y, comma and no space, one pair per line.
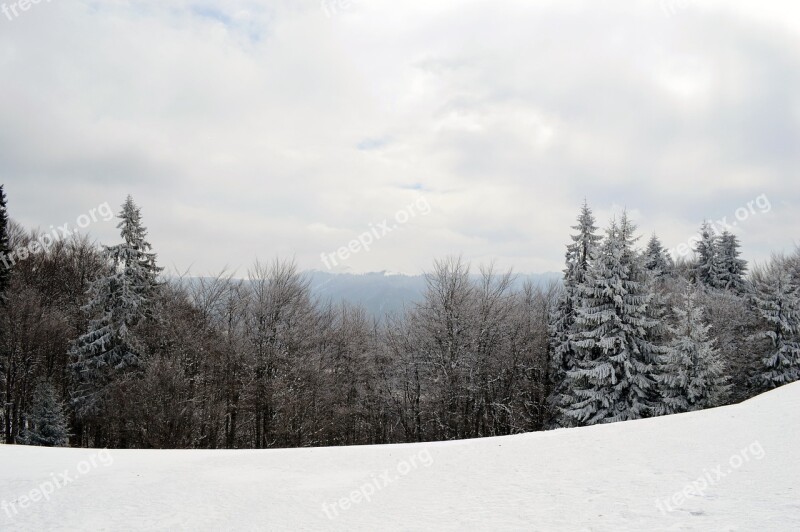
733,468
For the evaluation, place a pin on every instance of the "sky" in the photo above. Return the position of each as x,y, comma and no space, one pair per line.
404,131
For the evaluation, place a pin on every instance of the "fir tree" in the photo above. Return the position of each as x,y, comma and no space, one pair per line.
707,267
657,311
657,259
794,267
659,267
732,268
47,421
614,353
120,299
5,264
691,374
654,286
776,299
580,254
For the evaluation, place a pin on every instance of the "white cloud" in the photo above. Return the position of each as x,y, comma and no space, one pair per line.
279,128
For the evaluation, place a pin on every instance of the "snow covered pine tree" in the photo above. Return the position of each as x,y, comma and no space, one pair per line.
660,269
776,299
731,268
47,421
611,337
579,257
692,375
657,259
121,298
707,266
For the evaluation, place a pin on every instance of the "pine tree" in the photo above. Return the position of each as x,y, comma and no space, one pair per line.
659,267
776,299
654,335
657,310
657,259
794,267
691,374
731,267
707,267
615,355
47,421
120,299
580,254
5,265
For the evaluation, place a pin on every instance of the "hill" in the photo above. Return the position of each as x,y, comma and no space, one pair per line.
731,468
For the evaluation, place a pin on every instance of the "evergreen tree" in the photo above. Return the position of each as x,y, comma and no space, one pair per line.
657,312
794,267
707,267
652,284
659,267
615,355
5,264
657,259
776,299
120,299
691,374
47,421
731,267
580,254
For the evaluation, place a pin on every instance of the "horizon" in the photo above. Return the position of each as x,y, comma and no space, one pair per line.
104,214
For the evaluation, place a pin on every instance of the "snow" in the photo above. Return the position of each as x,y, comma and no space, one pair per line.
607,477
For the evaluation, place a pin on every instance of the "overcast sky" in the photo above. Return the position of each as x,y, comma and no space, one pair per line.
287,128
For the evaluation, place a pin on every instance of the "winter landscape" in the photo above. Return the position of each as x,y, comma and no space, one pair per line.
361,265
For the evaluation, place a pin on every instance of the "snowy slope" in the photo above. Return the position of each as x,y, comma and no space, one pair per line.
627,476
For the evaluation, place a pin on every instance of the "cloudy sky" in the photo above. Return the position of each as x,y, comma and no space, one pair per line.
287,128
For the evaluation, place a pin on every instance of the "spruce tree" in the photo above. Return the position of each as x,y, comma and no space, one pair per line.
657,311
658,267
611,337
47,424
580,254
794,267
731,267
5,264
653,336
657,259
691,373
707,267
776,299
120,299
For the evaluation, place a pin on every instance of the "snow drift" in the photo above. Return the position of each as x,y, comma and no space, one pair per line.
732,468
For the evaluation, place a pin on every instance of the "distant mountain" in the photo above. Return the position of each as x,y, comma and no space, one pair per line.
383,293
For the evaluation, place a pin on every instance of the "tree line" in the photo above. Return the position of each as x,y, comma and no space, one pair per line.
99,349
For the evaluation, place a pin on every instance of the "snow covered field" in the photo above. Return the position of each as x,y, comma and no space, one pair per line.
733,468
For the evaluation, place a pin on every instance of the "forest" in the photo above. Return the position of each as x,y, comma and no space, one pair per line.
99,348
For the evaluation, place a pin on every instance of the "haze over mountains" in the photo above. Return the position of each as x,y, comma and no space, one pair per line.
382,293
